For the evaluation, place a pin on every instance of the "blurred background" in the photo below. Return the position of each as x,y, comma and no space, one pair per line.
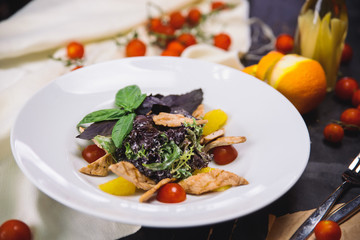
9,7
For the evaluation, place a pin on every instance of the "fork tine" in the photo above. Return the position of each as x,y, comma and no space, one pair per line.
355,164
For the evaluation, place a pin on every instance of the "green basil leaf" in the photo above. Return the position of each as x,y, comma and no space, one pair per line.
138,102
169,153
102,115
122,128
129,98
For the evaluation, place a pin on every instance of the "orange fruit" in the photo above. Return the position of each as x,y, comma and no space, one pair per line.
301,80
250,69
266,64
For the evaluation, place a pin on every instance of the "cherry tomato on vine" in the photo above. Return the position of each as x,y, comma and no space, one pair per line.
218,5
333,133
135,48
15,230
345,88
92,152
327,230
194,16
155,24
171,193
284,43
222,40
224,154
75,50
77,67
346,54
356,98
166,30
187,39
177,20
176,47
351,116
169,52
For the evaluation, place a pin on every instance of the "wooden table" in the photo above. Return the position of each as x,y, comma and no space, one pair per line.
326,163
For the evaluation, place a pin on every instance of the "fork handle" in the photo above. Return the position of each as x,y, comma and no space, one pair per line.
346,211
308,226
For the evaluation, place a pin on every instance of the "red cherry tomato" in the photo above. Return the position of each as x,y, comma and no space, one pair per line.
284,43
92,152
351,116
135,48
333,133
177,20
170,53
15,230
346,54
167,30
187,39
224,154
176,47
222,40
327,230
218,5
75,50
155,24
77,67
356,98
171,193
345,88
194,16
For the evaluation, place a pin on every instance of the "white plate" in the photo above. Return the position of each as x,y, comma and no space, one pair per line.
272,159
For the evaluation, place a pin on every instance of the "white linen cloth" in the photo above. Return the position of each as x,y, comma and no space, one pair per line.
44,27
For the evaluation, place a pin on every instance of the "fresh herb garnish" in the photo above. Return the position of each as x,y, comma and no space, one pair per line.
180,168
127,100
169,153
106,143
176,158
122,128
103,115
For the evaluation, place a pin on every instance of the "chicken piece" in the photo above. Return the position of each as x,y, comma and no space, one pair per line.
128,171
147,195
99,167
212,136
174,120
199,112
223,141
209,181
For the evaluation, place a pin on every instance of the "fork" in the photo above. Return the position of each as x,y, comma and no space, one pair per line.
351,177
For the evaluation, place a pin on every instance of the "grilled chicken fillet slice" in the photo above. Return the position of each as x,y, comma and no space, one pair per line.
209,181
128,171
99,167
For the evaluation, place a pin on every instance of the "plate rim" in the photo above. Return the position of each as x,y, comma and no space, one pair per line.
131,221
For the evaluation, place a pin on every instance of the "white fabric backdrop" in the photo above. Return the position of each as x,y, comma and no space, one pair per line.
44,27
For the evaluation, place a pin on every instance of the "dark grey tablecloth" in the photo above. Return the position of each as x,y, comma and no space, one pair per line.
327,161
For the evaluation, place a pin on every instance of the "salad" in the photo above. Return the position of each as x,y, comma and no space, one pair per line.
159,144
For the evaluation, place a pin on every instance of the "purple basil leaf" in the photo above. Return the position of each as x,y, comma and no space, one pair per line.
188,102
103,128
147,104
158,108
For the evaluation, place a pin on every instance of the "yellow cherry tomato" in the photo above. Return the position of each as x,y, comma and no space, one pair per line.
119,187
216,120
